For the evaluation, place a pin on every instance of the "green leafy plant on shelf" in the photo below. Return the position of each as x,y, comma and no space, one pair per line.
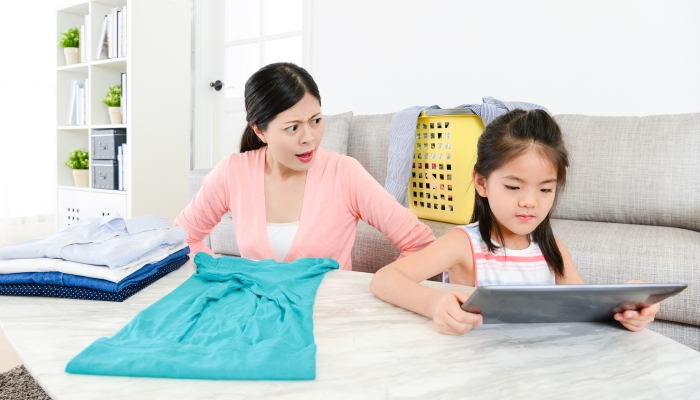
113,96
70,38
78,159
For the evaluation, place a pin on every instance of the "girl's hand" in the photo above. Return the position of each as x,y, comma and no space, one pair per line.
449,317
637,320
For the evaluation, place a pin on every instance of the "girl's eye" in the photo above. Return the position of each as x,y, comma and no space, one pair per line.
512,187
546,190
292,128
316,121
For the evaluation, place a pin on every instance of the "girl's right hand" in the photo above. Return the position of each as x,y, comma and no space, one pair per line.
449,317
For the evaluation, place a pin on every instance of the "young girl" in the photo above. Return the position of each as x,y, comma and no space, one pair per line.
521,165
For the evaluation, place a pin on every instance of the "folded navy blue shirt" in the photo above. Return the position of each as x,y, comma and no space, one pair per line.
82,293
61,279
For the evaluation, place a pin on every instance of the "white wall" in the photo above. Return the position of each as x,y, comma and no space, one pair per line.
594,57
27,96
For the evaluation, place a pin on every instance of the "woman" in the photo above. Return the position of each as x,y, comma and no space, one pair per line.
289,198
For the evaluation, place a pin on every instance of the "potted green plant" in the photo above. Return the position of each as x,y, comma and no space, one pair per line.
78,161
70,41
113,99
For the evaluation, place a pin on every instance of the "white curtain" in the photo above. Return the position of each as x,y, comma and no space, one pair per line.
27,121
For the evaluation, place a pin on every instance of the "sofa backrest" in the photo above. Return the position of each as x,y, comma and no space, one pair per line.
369,143
633,170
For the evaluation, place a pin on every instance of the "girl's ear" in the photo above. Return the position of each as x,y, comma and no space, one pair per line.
260,134
479,184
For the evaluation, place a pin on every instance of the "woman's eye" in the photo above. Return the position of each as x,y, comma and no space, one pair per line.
512,187
316,121
546,190
292,128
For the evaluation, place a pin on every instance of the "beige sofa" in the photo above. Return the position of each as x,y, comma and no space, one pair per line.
631,208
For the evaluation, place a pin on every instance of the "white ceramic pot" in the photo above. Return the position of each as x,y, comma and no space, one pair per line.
72,55
81,177
115,115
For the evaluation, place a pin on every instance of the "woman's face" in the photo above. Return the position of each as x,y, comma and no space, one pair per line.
294,135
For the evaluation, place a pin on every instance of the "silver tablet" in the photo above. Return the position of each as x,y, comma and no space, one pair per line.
564,303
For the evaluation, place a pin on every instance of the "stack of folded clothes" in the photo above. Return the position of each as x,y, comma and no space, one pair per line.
106,259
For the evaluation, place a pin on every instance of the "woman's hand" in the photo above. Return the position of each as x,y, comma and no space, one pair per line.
637,320
449,317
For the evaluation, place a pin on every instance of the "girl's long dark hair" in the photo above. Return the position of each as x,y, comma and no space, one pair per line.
507,137
272,89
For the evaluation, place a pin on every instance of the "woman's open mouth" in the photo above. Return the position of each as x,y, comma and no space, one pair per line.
305,157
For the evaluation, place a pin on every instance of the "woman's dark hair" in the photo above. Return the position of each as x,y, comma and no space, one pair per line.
504,139
272,89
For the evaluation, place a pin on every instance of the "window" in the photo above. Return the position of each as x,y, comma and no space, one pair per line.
261,32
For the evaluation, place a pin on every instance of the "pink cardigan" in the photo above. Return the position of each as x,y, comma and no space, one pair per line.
338,192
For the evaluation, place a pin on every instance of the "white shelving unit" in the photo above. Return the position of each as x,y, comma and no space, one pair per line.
158,108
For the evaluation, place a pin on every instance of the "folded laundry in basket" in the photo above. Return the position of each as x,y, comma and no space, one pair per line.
112,241
102,272
89,294
70,280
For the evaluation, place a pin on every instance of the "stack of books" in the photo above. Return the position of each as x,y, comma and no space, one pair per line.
112,40
125,89
83,43
78,103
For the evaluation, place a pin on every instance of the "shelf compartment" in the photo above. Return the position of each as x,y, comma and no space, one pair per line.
63,91
69,17
102,77
67,141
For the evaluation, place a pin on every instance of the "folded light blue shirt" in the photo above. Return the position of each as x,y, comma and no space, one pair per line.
233,319
112,241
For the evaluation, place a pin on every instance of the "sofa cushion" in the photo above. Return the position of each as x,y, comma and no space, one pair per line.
336,132
223,238
634,170
369,143
688,335
615,253
372,250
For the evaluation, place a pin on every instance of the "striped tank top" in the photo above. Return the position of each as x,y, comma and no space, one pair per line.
512,267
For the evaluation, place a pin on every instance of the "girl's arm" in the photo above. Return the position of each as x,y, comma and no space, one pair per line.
571,276
397,283
207,207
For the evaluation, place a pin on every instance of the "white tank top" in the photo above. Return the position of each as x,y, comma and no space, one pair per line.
281,237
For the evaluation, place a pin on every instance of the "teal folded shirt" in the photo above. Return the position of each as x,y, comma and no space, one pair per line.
233,319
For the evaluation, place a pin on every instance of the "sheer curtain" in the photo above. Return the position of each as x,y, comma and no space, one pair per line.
27,121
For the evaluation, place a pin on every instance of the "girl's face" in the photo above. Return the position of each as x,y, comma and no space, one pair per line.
294,135
520,193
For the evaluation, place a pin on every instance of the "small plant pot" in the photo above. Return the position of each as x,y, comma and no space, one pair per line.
81,177
72,55
115,115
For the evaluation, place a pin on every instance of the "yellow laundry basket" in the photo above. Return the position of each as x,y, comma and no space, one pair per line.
440,187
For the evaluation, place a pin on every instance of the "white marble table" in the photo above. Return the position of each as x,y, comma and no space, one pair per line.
370,349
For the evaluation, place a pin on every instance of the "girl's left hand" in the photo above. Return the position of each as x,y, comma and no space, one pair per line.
637,320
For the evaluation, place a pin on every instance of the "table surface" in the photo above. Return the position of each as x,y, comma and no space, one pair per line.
370,349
